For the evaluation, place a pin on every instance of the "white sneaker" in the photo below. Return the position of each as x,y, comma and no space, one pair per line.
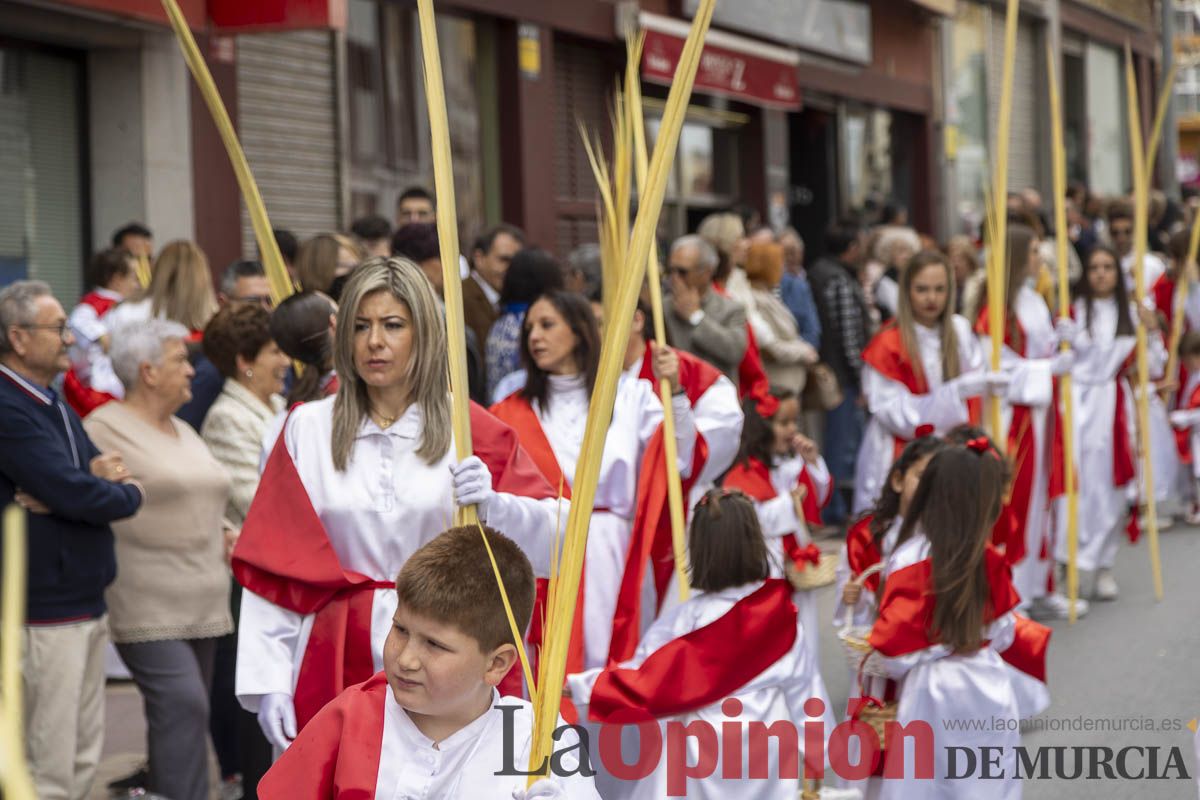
1056,606
1106,585
1193,515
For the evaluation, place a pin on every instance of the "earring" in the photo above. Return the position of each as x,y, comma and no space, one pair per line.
249,373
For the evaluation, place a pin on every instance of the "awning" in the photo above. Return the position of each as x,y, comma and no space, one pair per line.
734,66
943,7
229,16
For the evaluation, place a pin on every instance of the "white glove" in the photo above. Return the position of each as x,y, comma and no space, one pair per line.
472,484
277,718
542,789
1181,419
998,383
971,385
1062,363
1066,330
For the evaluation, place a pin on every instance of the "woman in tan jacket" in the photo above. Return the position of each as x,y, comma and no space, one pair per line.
170,600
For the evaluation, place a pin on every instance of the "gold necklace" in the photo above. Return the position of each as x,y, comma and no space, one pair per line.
384,420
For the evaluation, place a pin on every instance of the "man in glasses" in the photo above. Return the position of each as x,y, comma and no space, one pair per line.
245,282
698,319
49,466
1120,230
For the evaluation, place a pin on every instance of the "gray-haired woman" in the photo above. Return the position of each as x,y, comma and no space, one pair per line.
170,600
377,465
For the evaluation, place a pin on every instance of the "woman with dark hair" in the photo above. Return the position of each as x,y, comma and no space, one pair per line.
303,326
1031,358
533,272
1104,340
560,350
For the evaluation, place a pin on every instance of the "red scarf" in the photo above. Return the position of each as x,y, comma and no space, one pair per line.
700,668
752,477
284,555
338,754
906,615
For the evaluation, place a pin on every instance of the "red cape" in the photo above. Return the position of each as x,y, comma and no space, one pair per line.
752,477
700,668
285,556
906,615
862,551
337,754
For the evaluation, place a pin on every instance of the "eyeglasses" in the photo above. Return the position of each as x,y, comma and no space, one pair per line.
63,331
682,272
263,300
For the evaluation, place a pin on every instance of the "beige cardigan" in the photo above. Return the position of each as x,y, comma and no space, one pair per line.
233,430
172,582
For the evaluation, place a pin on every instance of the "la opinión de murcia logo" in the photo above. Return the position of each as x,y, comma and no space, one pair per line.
736,749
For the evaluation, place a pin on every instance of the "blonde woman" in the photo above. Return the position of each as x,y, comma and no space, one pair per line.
324,258
356,483
919,374
180,290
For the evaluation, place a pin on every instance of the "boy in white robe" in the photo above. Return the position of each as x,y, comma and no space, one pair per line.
432,723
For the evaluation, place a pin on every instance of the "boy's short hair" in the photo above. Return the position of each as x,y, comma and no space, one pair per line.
1189,344
450,580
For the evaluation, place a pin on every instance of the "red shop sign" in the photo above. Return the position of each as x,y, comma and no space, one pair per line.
725,70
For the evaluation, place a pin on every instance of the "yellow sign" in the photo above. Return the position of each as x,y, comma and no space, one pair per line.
529,51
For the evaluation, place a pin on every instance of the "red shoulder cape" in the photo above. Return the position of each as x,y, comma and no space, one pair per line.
752,477
886,355
862,551
906,615
700,668
285,556
337,754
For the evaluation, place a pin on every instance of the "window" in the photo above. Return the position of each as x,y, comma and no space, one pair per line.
379,49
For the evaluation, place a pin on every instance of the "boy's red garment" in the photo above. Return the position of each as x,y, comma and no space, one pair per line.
337,756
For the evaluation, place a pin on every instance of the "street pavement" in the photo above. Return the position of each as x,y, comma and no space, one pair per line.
1128,663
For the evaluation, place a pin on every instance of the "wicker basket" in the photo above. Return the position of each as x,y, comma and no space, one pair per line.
877,716
813,576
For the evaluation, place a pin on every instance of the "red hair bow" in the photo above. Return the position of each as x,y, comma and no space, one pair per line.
810,553
767,407
979,444
923,431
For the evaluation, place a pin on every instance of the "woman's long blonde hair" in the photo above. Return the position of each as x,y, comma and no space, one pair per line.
904,316
317,260
181,288
425,376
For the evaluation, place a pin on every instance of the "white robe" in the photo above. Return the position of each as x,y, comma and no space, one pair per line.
897,412
1164,455
91,364
718,418
464,764
1153,268
777,694
637,414
377,513
1101,506
939,687
1031,384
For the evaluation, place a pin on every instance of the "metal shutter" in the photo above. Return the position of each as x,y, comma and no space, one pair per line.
56,250
583,83
1024,166
288,126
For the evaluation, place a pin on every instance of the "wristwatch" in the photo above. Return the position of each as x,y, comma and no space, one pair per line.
696,318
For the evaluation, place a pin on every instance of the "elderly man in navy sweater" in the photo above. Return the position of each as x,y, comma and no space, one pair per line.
72,492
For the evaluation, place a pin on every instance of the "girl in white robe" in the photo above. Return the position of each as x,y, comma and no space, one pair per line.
789,482
1031,359
957,669
924,371
1103,420
561,350
765,679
